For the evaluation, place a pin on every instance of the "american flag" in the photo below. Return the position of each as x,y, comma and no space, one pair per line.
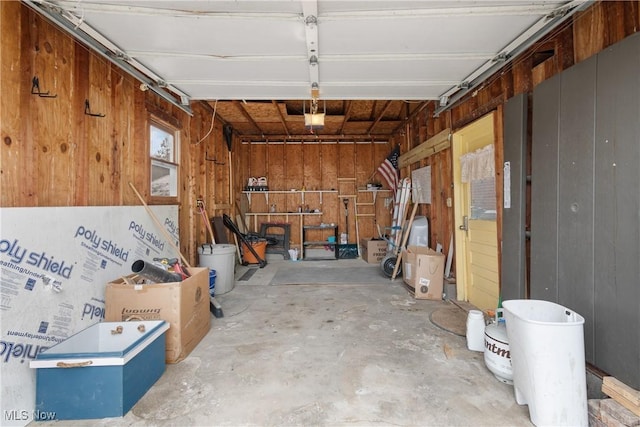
389,169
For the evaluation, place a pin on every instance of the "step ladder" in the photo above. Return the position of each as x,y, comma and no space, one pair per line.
347,190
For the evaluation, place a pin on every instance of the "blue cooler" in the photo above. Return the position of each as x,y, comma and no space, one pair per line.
101,371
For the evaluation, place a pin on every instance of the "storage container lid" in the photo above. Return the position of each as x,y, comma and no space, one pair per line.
215,249
102,344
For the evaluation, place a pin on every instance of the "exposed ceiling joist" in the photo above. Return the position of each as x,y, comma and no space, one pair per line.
247,116
284,123
347,113
380,115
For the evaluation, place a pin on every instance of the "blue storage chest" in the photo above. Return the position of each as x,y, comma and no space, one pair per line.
101,371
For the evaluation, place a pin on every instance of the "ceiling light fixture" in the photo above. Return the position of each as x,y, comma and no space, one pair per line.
314,119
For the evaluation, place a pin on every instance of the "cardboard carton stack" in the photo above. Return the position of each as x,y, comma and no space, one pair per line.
184,305
373,251
423,271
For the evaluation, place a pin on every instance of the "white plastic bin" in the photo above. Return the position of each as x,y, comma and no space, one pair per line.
221,258
546,341
419,234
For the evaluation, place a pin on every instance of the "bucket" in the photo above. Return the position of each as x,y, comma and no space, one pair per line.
546,341
260,246
221,259
212,282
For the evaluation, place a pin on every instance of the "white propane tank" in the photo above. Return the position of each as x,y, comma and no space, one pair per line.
497,356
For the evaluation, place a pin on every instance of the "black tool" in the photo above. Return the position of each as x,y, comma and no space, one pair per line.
215,308
346,217
228,222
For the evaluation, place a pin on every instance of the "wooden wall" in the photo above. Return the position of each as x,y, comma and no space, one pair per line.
343,167
52,154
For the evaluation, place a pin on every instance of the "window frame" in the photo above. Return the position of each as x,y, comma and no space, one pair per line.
171,165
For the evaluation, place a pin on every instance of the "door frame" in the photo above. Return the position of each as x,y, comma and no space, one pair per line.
459,241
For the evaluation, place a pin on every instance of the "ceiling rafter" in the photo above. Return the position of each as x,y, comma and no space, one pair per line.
377,120
246,114
347,114
411,116
282,120
315,138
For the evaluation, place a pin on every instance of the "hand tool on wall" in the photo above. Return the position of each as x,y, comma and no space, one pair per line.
346,216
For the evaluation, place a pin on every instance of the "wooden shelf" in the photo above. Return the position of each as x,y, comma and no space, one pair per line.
282,213
301,192
310,243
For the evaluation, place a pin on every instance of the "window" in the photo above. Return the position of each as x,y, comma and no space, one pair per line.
483,199
163,149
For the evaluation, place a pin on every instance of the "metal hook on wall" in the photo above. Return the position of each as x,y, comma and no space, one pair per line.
35,89
87,110
214,160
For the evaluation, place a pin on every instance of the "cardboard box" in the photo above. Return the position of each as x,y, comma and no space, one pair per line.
423,270
373,250
100,372
184,305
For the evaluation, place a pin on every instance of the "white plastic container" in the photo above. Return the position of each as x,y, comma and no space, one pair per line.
419,234
546,341
221,258
475,330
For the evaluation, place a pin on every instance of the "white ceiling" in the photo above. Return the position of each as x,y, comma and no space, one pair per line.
262,50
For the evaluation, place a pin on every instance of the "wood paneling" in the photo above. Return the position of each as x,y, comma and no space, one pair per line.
54,155
343,167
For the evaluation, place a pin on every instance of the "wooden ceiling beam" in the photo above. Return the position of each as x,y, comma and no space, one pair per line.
410,117
347,113
314,138
377,120
247,116
284,123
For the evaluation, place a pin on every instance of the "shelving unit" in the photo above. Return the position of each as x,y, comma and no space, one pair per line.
288,214
301,192
311,243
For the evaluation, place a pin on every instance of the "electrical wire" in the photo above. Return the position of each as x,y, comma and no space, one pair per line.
213,116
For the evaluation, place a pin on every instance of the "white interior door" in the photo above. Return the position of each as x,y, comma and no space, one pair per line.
475,214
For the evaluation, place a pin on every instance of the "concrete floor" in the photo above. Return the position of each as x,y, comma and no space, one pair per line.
325,355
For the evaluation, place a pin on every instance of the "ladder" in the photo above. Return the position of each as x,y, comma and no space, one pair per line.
347,191
403,195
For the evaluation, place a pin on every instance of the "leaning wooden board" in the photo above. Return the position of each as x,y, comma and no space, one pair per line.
622,393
